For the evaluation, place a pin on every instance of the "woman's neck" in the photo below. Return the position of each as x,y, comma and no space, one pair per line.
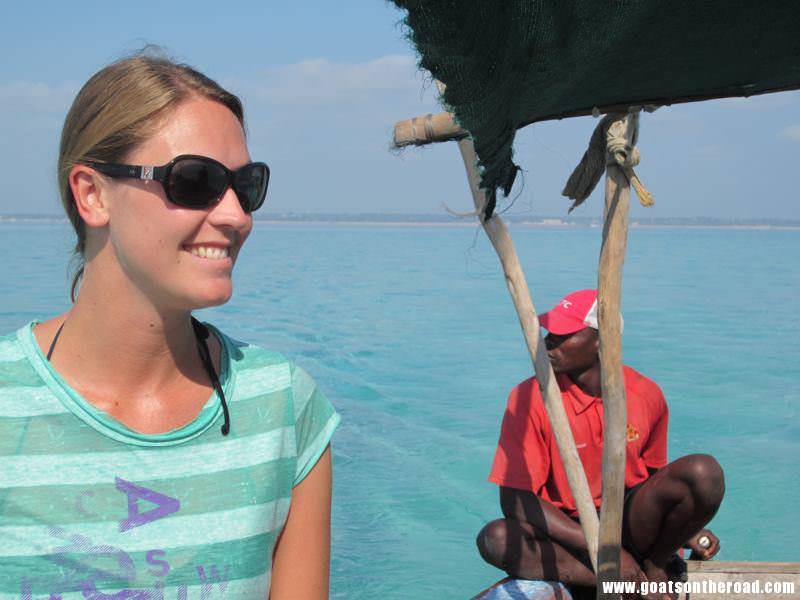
117,340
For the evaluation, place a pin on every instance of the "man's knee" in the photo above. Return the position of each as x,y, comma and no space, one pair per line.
492,542
705,479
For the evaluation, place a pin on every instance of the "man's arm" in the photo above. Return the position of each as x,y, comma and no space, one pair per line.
301,564
549,520
553,524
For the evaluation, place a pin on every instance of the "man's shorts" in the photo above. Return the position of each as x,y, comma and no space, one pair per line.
626,538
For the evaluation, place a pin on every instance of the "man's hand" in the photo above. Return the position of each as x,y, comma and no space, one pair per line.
698,551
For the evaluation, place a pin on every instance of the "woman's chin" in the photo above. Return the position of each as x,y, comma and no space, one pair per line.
208,297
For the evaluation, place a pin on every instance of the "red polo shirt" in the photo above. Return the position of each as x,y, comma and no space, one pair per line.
527,457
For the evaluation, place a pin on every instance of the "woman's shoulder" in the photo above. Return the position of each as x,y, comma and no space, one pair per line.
245,355
249,359
18,358
10,348
260,369
9,337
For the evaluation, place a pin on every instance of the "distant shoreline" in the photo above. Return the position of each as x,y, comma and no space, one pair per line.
435,221
528,225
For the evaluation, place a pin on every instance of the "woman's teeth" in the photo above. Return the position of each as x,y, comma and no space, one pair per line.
209,252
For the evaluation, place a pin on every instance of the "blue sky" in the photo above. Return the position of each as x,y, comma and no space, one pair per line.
323,84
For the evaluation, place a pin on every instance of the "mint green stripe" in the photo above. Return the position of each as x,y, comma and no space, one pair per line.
243,559
223,490
145,463
310,456
175,530
255,357
239,589
10,350
311,420
264,380
67,434
303,388
19,402
18,373
313,415
246,356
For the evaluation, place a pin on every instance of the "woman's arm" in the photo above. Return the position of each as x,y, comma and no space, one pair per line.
301,564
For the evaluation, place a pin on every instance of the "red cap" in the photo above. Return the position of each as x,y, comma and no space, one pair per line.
572,313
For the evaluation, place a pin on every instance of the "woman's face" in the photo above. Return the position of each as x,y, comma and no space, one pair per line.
157,243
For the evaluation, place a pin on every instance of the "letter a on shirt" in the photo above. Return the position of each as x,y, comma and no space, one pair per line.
166,505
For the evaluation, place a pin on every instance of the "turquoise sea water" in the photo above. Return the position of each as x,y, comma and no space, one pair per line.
411,333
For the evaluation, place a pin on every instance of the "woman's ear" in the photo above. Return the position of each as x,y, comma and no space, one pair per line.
90,194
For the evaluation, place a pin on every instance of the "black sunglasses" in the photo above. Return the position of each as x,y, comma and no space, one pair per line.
198,181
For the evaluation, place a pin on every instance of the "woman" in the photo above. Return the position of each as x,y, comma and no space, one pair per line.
145,454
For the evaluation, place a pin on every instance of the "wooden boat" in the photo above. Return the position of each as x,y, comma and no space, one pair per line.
505,65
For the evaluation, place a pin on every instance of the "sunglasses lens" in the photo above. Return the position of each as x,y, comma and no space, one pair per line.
195,183
251,185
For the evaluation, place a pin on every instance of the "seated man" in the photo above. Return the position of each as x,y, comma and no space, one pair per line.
666,505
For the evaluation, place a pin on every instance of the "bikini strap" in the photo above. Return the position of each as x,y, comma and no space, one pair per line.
55,339
201,333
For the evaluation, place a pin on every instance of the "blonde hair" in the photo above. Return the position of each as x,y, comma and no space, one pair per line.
120,107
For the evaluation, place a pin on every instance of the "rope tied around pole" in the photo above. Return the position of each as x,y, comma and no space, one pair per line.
613,142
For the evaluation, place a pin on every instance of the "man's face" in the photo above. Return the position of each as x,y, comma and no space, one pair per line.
573,352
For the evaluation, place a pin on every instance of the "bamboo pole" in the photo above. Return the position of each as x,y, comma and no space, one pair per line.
612,257
419,131
517,286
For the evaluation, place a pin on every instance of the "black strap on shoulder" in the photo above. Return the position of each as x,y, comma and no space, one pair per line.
55,339
201,333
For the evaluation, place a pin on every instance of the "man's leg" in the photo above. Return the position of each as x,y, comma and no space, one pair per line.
522,551
670,507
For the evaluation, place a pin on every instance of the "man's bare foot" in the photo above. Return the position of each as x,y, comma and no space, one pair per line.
658,579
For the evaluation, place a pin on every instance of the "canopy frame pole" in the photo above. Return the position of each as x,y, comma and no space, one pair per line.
615,414
498,234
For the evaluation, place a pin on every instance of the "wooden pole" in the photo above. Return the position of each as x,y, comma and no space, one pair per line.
419,131
515,279
612,257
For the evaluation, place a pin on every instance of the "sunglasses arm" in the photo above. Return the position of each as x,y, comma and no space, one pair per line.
145,172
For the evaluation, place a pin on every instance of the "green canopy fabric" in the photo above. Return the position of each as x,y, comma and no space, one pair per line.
509,63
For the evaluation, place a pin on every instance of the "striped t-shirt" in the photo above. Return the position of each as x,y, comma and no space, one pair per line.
90,508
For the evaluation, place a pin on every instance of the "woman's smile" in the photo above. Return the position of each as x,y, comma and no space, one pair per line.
212,252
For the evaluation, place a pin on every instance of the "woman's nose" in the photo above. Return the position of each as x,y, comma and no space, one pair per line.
229,211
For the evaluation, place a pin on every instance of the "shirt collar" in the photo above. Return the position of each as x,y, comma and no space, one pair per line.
578,398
